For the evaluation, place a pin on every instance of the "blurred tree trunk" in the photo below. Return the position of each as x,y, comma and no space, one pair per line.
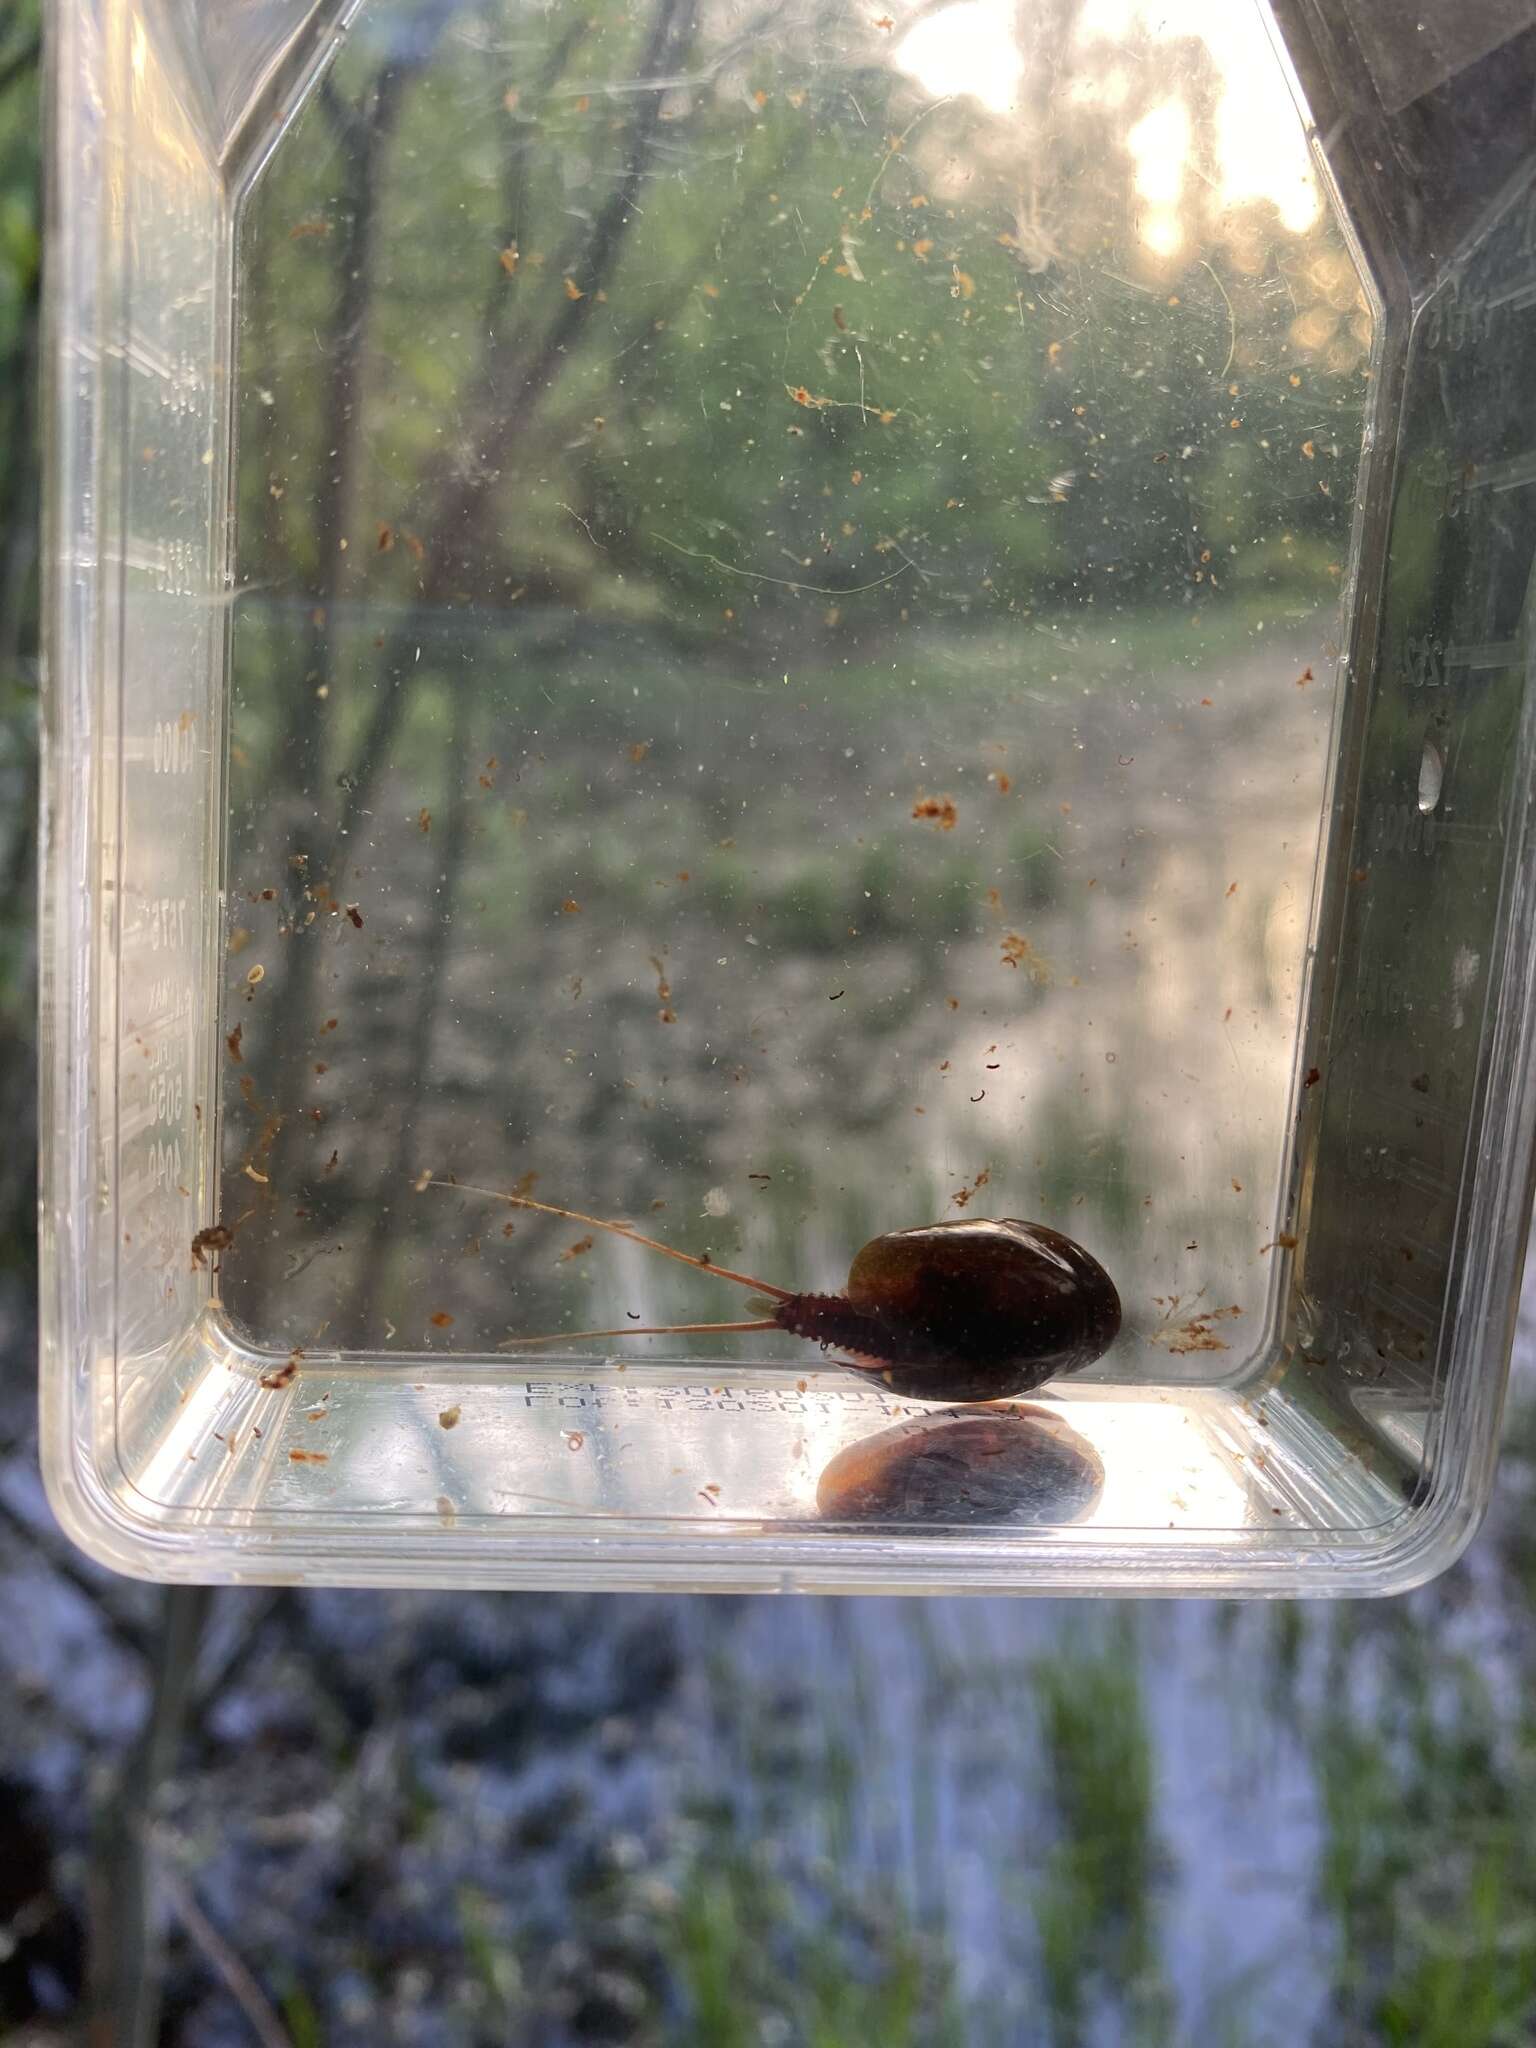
125,1968
515,376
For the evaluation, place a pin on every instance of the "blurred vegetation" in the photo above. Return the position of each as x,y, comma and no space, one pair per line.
1096,1907
397,1808
950,396
696,421
752,1950
20,274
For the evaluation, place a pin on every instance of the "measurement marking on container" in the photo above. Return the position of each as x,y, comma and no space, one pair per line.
170,1003
1455,321
163,1165
1512,474
1417,1314
576,1396
1424,663
1379,992
1403,828
147,1115
1396,1242
1380,1162
175,567
163,1042
149,358
1397,1101
157,1042
1487,654
166,1096
174,746
1466,834
167,923
1518,298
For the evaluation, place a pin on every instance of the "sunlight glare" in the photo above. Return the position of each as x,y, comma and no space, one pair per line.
1261,151
968,48
1160,145
1161,232
971,48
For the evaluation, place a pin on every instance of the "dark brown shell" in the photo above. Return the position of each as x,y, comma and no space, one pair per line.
978,1310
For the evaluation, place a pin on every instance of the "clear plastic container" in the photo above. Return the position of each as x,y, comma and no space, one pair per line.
784,625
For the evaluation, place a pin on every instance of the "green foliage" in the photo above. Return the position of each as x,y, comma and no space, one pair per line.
1427,1777
20,199
491,1955
301,2019
1469,1979
746,1948
778,374
1094,1907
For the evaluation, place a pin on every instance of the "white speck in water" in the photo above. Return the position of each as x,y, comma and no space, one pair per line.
1431,776
717,1203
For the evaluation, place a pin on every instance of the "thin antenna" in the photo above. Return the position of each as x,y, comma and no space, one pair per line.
635,1237
635,1330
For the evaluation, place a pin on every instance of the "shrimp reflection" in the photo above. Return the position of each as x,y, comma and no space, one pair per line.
965,1467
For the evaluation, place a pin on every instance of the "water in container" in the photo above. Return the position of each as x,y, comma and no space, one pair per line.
781,629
